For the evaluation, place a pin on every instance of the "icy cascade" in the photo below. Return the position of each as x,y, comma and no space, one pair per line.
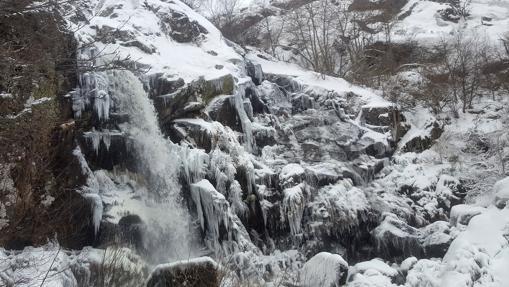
158,161
92,89
155,192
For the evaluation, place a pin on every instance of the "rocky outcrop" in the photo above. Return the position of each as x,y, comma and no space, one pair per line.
324,269
173,98
179,27
39,172
198,272
421,142
396,239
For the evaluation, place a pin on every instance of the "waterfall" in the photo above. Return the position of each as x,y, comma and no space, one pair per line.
153,192
158,163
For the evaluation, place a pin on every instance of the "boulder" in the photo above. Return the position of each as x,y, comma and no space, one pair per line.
222,109
264,136
286,83
197,132
259,106
381,115
174,99
322,174
436,239
394,238
197,272
462,213
301,102
501,190
180,28
254,71
423,139
324,269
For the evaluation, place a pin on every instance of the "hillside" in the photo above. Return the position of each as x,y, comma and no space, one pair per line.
150,148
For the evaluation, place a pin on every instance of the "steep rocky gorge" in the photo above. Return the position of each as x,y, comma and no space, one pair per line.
175,143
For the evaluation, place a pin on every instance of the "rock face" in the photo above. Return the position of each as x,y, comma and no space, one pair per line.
178,26
174,99
198,272
39,173
423,142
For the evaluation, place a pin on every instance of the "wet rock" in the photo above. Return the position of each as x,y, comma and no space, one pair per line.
285,82
396,239
174,99
255,72
381,116
222,109
301,102
420,142
106,149
129,231
436,239
264,136
180,28
197,272
196,132
275,98
259,107
132,229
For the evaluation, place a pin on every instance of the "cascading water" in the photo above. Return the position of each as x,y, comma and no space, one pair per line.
157,159
153,192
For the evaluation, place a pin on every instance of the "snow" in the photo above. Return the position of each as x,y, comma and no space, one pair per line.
501,190
44,266
323,269
317,81
184,60
290,174
462,213
425,25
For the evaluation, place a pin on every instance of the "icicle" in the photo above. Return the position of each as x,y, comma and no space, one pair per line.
96,205
292,208
212,210
235,197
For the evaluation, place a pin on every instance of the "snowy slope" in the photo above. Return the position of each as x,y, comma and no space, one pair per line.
425,25
143,21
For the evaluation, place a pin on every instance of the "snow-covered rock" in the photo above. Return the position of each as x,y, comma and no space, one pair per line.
201,271
324,269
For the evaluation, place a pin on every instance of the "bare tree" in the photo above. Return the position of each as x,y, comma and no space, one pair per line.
326,36
463,61
271,27
462,7
221,12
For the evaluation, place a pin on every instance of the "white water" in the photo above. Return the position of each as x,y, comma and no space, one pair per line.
158,163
